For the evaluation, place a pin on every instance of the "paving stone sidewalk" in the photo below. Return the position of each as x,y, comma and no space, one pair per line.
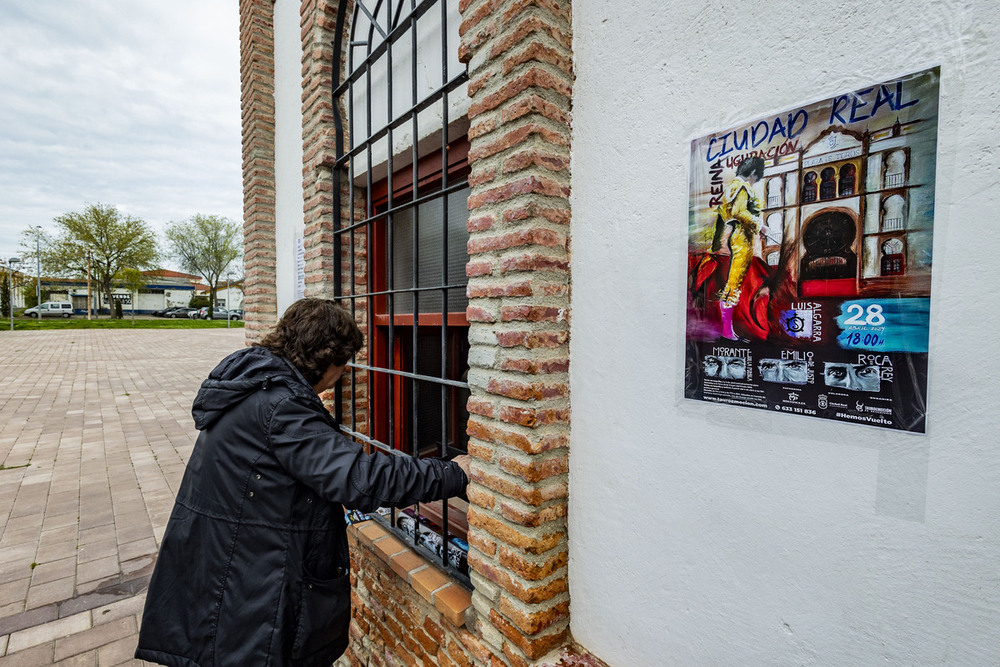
95,429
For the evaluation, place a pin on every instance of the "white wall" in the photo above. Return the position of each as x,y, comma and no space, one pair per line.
715,535
289,201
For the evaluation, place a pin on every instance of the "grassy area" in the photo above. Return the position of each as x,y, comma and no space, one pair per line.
81,322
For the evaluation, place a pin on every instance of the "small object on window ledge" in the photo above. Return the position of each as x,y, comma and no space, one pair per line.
355,516
410,524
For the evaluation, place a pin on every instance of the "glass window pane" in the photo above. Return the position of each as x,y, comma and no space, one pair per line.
428,252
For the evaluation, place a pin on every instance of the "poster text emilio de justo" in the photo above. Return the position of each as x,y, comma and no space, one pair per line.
809,257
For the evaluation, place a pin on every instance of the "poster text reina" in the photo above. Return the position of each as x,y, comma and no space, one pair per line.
809,257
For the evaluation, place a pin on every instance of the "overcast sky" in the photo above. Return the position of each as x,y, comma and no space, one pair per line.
132,104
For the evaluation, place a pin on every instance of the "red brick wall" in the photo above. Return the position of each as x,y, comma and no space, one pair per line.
318,29
319,21
521,82
257,108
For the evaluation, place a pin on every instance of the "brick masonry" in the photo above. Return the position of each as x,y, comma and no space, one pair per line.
519,54
257,108
406,612
318,24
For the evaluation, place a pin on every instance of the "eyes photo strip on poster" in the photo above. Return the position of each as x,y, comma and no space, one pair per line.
725,368
787,371
855,377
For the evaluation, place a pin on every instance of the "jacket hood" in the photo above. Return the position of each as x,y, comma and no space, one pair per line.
239,375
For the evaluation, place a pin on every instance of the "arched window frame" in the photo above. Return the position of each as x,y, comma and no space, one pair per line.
775,188
809,187
828,183
892,218
895,174
847,180
366,217
892,259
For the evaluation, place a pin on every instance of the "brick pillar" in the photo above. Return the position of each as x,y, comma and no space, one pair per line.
319,23
318,28
257,106
521,82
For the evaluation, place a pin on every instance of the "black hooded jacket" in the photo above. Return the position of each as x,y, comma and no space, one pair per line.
254,568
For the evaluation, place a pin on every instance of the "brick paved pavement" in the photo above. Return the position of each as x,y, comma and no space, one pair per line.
95,429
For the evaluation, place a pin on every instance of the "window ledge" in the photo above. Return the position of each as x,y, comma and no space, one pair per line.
451,600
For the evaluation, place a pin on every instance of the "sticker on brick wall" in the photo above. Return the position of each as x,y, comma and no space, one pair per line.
809,257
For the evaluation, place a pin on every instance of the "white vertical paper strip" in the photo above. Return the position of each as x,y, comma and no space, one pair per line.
300,268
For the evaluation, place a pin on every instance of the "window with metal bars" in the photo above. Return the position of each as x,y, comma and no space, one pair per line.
400,233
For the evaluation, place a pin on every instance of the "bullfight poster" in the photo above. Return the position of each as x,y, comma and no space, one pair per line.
809,258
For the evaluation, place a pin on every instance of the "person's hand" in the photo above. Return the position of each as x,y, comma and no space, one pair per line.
463,461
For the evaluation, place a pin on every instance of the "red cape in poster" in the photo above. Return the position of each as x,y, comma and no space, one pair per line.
708,276
809,257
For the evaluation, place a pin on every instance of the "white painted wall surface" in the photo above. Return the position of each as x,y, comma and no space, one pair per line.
289,201
713,535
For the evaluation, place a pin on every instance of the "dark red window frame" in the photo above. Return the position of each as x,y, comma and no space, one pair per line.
396,431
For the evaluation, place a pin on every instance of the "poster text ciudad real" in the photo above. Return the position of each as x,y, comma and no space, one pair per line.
809,257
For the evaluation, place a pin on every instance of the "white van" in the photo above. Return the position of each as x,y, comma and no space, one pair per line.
51,309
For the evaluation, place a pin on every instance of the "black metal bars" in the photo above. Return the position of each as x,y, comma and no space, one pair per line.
400,390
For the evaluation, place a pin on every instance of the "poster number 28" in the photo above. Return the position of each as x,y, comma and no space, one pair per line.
872,316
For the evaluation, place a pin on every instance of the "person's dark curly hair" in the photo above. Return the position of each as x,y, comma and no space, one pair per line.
314,334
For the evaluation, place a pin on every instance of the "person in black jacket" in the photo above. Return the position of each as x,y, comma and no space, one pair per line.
254,567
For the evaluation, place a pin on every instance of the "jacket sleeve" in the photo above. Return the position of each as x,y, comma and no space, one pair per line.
315,453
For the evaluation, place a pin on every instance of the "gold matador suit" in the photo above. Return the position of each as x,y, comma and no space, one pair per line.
741,207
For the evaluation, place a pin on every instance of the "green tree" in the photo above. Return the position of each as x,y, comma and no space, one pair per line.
30,294
198,302
114,241
206,245
4,294
133,280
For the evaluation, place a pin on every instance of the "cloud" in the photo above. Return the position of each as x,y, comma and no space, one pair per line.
113,101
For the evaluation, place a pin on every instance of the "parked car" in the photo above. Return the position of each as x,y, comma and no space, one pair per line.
218,313
236,314
178,313
51,309
165,312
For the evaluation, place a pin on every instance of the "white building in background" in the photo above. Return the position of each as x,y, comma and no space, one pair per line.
163,289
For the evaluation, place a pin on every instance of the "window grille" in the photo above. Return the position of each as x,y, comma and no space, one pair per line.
892,224
894,180
847,178
400,257
828,184
809,187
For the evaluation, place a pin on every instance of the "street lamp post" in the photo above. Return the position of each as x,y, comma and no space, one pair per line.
10,286
229,300
38,269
